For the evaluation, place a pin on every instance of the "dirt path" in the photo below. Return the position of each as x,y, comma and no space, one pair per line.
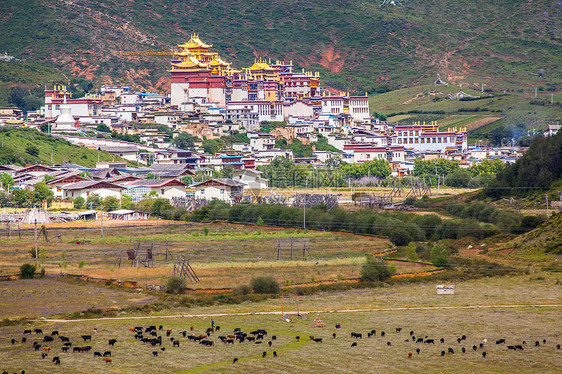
370,310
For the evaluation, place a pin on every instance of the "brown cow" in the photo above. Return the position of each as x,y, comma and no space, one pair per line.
409,354
107,360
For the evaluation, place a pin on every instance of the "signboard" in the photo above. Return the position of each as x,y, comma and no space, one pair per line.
445,289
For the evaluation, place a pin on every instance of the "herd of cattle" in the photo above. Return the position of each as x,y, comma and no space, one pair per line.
154,337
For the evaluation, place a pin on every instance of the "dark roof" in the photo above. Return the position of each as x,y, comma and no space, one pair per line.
154,183
90,184
223,181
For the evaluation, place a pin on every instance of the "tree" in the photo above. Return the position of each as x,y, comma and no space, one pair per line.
150,176
102,127
23,197
111,203
497,135
6,181
459,178
175,284
42,192
374,270
487,167
440,166
411,254
184,141
380,116
93,201
79,202
32,150
126,202
439,256
227,171
265,284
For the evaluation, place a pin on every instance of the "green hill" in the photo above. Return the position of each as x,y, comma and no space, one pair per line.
355,44
29,146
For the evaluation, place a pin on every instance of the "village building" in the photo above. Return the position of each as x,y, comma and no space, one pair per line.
85,189
223,189
166,189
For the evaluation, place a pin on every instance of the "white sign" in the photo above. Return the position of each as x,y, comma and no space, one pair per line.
443,289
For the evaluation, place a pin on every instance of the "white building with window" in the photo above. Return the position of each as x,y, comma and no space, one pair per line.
219,189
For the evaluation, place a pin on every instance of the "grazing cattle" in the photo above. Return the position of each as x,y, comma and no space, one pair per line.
107,354
501,341
429,341
68,344
14,341
459,340
26,332
463,337
251,338
64,339
413,338
398,329
273,337
87,348
388,344
176,343
38,331
519,347
524,342
483,354
259,337
23,340
317,340
163,349
217,328
484,341
37,347
442,353
76,349
264,354
409,354
259,342
411,333
107,360
210,330
231,341
354,344
557,346
269,343
537,343
112,342
191,328
510,347
544,341
442,340
97,354
382,333
46,349
274,354
481,345
54,333
155,353
356,335
56,360
43,355
160,327
463,350
417,350
419,340
48,338
87,337
474,347
184,333
235,360
298,338
451,351
65,349
132,329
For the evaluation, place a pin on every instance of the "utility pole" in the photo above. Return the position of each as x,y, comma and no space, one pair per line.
547,216
101,217
36,253
304,206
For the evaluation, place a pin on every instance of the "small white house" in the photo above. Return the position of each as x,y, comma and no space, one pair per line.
219,189
167,189
251,178
56,185
87,188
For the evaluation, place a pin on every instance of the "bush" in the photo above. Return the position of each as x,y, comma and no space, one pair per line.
400,237
439,256
174,284
79,202
374,270
410,200
27,271
411,254
241,290
265,284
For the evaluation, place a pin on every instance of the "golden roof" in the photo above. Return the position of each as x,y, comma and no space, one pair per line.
260,65
188,62
217,61
194,42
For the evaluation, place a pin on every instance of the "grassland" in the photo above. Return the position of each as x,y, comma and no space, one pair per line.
51,150
494,319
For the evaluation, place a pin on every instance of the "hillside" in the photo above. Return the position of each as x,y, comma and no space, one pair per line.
28,146
355,45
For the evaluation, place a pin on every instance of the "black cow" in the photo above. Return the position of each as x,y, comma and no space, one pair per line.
38,331
419,340
176,343
48,338
54,333
430,341
155,353
56,360
442,353
26,332
65,349
87,337
107,354
483,354
501,341
442,340
388,344
97,354
264,354
451,351
474,348
417,350
463,350
112,342
354,344
14,341
317,340
274,353
235,360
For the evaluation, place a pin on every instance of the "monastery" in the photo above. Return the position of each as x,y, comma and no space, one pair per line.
263,92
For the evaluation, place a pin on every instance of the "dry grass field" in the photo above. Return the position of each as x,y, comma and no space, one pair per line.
448,319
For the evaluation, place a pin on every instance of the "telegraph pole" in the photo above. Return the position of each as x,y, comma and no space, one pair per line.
101,216
304,206
546,206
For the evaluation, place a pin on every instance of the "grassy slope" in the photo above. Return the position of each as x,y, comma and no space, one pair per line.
511,109
354,44
15,142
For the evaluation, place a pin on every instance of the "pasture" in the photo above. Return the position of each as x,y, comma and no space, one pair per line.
448,317
223,255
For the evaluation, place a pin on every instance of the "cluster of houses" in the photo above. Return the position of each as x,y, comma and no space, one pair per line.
115,179
209,99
